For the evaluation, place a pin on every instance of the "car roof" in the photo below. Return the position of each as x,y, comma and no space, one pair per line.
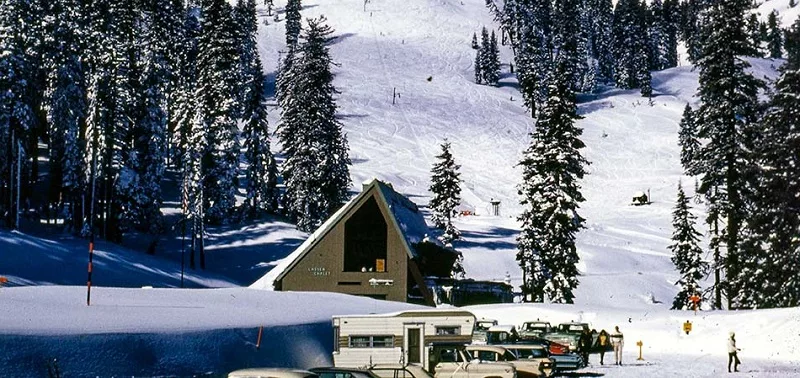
524,346
493,348
331,369
502,328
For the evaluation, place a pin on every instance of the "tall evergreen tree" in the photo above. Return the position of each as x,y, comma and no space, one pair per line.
686,253
754,34
446,189
217,64
316,168
726,120
293,23
552,166
599,14
687,139
261,172
774,37
792,45
531,31
493,61
771,267
631,45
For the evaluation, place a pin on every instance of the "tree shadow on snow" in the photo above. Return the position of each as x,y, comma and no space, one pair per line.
493,238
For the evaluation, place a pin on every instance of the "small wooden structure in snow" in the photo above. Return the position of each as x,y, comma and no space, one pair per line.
640,198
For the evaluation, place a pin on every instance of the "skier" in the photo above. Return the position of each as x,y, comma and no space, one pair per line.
602,343
732,357
617,342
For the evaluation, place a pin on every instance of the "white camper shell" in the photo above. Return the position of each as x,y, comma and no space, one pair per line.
402,337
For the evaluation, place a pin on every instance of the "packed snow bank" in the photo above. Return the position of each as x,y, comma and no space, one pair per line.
30,260
183,332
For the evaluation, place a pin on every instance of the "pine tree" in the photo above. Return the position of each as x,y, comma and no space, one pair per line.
687,139
552,166
770,269
261,173
65,106
492,69
474,41
753,33
686,253
775,37
316,170
671,24
446,189
569,40
293,24
657,35
792,45
631,45
599,14
531,32
185,105
726,120
217,64
478,67
692,27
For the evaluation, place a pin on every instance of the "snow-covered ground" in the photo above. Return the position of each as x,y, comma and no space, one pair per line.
421,49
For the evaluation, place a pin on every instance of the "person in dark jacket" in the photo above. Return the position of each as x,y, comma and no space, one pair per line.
603,343
584,345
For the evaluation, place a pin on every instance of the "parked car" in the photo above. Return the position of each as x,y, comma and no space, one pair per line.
450,360
337,372
541,366
271,373
481,326
534,329
561,362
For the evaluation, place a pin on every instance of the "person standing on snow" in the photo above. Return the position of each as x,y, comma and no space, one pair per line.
617,341
584,346
603,342
732,349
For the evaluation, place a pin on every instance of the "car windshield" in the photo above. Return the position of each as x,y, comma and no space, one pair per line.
508,356
576,328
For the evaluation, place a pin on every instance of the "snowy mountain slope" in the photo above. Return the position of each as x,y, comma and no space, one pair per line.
788,15
631,144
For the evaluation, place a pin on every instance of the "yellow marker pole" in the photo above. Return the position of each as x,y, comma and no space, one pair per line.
639,344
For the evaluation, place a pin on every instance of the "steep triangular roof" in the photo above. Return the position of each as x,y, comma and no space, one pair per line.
404,216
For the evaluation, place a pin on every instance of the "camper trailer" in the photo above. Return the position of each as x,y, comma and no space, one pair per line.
404,337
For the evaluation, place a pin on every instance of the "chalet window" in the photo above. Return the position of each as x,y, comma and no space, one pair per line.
365,239
451,330
371,341
336,338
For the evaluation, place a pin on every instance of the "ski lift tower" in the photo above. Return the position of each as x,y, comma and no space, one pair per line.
495,207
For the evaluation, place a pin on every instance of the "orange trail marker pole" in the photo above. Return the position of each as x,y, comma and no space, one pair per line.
258,342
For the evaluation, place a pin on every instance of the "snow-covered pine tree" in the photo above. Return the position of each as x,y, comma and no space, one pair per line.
792,45
261,173
293,24
771,267
316,170
474,41
692,20
492,70
726,119
686,253
485,54
670,18
552,166
687,139
65,107
217,63
185,101
599,14
630,44
570,40
446,189
774,37
754,34
531,37
478,68
657,36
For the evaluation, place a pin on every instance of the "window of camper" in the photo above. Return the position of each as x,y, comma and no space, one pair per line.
365,239
335,338
371,341
448,330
